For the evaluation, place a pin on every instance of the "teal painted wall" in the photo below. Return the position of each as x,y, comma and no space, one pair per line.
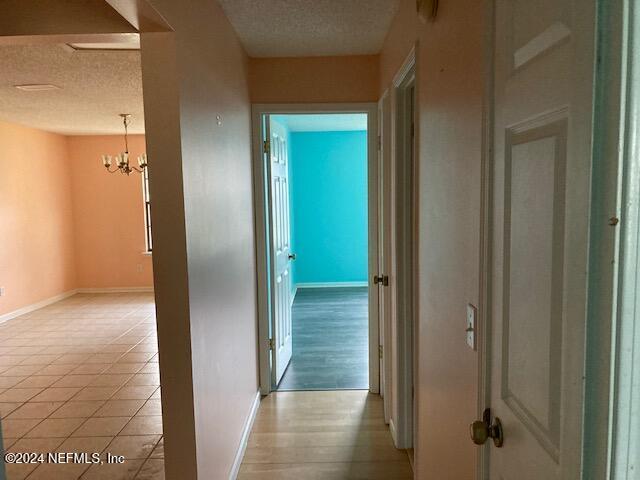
328,197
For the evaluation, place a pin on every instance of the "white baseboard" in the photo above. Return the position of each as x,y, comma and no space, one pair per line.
116,290
36,306
48,301
246,431
331,284
392,429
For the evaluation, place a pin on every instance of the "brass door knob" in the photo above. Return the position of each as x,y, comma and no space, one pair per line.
482,430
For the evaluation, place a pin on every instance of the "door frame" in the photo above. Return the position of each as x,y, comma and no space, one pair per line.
483,324
613,245
404,255
385,252
262,223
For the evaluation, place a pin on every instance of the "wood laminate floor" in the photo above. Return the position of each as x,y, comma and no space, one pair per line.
330,340
331,435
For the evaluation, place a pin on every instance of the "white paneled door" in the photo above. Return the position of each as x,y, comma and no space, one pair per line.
280,248
544,63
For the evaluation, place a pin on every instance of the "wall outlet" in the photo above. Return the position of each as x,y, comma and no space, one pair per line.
472,322
1,291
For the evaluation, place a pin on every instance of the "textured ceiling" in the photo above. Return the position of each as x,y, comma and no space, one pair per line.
95,86
296,28
325,122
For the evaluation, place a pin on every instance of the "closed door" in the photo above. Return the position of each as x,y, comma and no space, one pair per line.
544,62
280,249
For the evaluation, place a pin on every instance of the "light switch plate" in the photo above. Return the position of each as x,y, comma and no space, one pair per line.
472,321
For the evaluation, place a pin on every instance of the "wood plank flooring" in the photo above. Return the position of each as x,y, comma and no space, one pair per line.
330,340
331,435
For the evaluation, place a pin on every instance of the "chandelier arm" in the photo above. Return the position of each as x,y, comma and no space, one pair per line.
126,134
113,171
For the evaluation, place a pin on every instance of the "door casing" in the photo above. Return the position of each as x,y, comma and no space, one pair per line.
403,275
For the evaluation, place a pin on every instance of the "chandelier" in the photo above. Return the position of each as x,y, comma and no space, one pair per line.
122,159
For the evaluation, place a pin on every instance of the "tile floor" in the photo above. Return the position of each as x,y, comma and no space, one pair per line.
81,375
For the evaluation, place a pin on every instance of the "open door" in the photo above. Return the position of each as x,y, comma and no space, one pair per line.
279,242
540,218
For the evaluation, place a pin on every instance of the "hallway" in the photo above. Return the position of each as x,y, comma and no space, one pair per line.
330,340
337,435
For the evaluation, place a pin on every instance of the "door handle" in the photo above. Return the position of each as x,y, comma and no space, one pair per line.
292,256
382,280
482,430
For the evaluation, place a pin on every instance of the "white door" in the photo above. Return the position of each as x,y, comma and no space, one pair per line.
280,248
544,62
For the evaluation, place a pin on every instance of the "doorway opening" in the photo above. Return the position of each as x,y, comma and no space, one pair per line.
78,330
319,214
318,314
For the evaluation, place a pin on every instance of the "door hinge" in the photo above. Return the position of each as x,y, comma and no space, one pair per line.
266,146
413,133
271,344
379,142
380,351
382,280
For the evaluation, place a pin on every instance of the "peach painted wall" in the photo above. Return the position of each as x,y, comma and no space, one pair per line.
198,126
36,217
314,79
450,97
109,216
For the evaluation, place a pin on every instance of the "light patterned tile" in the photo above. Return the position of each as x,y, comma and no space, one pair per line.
20,471
114,471
51,471
19,394
111,380
36,410
144,379
55,427
140,425
133,446
38,381
124,368
152,469
80,409
90,369
135,392
8,382
8,407
17,428
75,380
95,393
151,407
36,445
97,427
85,444
54,394
120,408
